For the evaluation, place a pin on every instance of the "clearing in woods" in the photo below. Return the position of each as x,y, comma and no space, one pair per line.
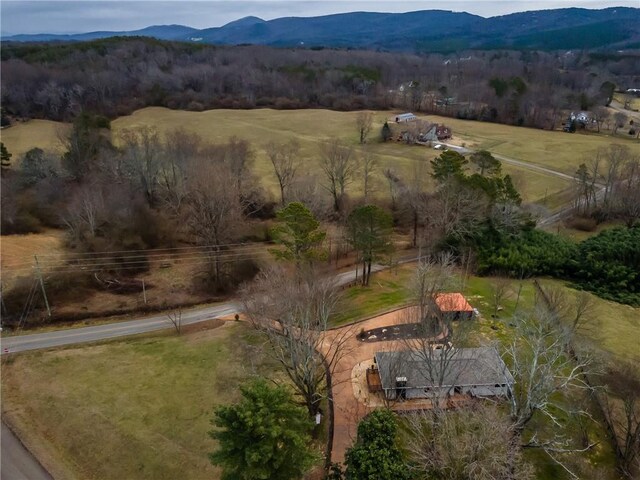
556,150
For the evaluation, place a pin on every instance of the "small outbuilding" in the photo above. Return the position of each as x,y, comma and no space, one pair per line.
405,117
478,372
453,306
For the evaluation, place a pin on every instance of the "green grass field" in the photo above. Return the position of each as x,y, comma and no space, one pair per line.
556,150
615,331
136,408
387,290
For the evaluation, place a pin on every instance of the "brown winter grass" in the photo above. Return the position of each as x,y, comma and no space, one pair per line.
23,136
556,150
136,408
17,251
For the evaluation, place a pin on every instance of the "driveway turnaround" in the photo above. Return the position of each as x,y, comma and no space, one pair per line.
350,404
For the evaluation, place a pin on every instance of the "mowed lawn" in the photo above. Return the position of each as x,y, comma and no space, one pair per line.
614,330
138,408
387,290
613,333
556,150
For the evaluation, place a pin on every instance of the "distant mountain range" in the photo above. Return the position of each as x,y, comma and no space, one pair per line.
428,31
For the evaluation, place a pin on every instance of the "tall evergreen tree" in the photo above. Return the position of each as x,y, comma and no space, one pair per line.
386,132
486,163
375,455
299,233
369,232
5,159
264,436
449,164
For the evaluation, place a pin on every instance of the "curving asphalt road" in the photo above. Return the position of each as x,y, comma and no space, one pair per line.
16,462
21,343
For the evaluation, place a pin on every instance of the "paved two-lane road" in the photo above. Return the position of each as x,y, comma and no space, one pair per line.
16,462
20,343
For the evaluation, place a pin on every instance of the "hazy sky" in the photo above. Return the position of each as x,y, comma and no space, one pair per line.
63,16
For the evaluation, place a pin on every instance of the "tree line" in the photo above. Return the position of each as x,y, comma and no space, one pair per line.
120,75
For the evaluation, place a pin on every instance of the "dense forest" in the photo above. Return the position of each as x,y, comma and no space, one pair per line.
116,76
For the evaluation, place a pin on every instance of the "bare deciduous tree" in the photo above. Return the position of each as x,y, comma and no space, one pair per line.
457,210
586,178
284,158
294,313
84,211
500,290
339,166
576,312
239,157
541,368
214,210
306,189
622,408
395,186
364,121
439,360
414,197
615,156
369,163
600,115
175,319
477,441
142,150
626,195
179,150
619,121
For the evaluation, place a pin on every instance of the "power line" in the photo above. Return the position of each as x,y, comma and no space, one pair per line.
138,266
142,262
167,249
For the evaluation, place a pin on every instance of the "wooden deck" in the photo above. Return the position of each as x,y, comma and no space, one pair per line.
373,380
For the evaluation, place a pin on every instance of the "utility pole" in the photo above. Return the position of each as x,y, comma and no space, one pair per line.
44,293
4,307
144,293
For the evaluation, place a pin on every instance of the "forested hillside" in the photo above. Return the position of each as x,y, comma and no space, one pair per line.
421,31
116,76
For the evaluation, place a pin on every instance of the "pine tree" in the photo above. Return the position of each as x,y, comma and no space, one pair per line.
265,435
375,454
5,159
386,132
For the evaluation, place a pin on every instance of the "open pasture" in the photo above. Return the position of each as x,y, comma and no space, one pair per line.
23,136
556,150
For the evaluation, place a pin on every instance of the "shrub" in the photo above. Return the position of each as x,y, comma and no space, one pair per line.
608,264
